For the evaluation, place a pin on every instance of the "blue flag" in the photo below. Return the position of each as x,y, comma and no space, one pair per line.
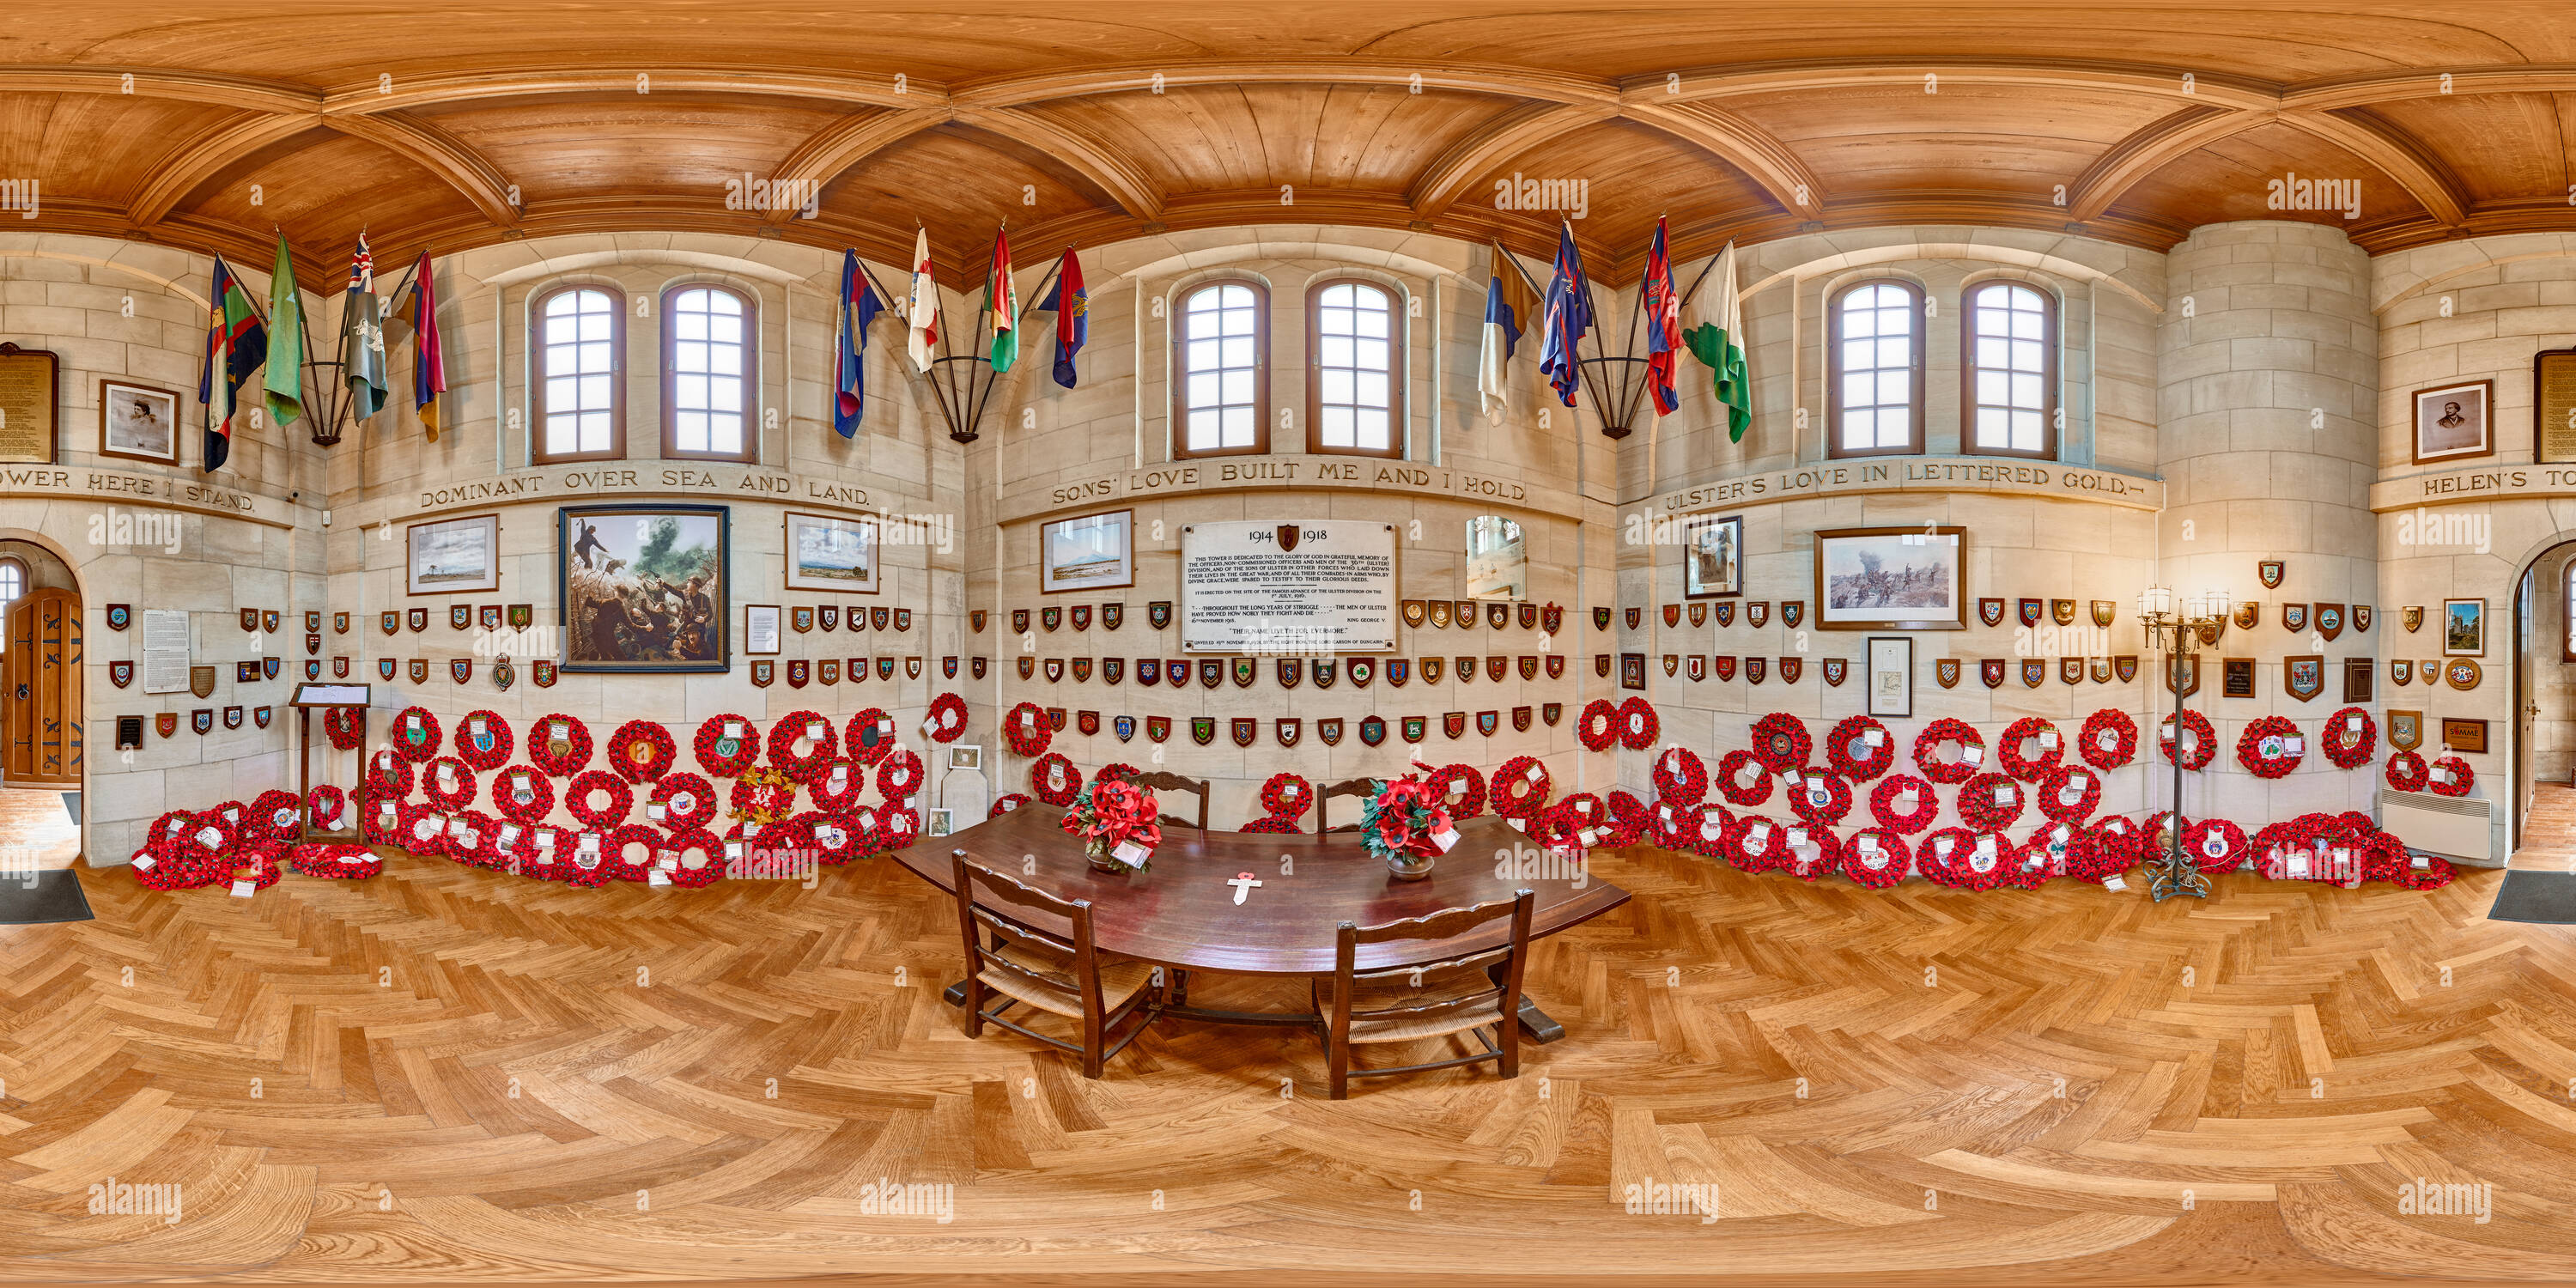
1566,317
859,306
1071,305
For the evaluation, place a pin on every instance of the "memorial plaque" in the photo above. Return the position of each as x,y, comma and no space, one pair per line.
2553,405
30,389
1251,588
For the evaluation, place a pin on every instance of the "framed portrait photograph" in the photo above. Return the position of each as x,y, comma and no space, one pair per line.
645,587
942,822
1891,579
1632,670
1094,552
138,422
2454,422
2405,729
1712,557
965,755
828,553
1891,676
2468,737
449,556
2464,628
1497,559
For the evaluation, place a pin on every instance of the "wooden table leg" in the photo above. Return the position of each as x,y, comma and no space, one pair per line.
1539,1025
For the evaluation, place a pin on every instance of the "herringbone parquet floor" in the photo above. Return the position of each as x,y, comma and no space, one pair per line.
453,1074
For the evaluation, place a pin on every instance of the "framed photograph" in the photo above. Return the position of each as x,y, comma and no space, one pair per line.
2405,729
2464,628
1891,579
1712,557
2356,679
965,756
760,629
1891,676
138,422
1094,552
31,388
452,556
2236,678
1632,670
2453,422
1497,559
645,587
827,553
942,822
2468,737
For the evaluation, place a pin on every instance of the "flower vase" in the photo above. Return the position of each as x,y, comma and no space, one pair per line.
1405,865
1097,851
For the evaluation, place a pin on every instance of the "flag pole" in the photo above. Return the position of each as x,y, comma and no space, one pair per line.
984,398
1704,270
1630,394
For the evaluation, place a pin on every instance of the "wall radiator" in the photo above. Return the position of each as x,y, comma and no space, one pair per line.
2462,828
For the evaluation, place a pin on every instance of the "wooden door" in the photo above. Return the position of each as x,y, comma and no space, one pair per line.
41,706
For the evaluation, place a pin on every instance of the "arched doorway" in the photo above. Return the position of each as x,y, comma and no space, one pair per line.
42,707
2542,723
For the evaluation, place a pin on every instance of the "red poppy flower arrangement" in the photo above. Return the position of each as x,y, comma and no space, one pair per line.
271,817
2203,739
1282,795
1989,802
2406,772
900,776
594,815
2351,738
1627,819
1027,730
345,726
1820,798
2070,794
1887,804
2038,733
496,741
2216,845
1821,857
761,797
1972,861
1731,774
897,829
1520,788
2097,856
641,751
324,807
947,717
523,795
823,743
2109,740
1667,823
2388,861
2452,777
1972,751
836,839
1598,726
1860,749
870,735
415,743
1756,844
388,775
1781,743
725,745
1876,858
1114,812
1117,769
697,858
837,788
1680,777
1579,813
337,862
1461,789
1009,801
561,755
1705,829
630,852
688,801
448,783
1054,779
1638,726
386,821
2274,760
1272,824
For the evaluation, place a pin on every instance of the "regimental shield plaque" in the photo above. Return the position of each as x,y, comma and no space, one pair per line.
1725,663
1990,611
1635,615
2030,610
1556,666
948,667
1415,727
2428,670
1527,613
800,618
1159,728
1672,614
2104,611
885,668
1726,612
2412,616
1698,614
1363,670
385,667
1245,729
313,619
2182,675
903,619
1088,722
1991,670
1415,613
1149,671
2401,671
232,717
828,671
1601,665
243,673
2461,673
2125,666
1055,718
340,623
2070,669
1672,664
389,621
340,667
2062,611
167,722
250,619
859,667
1453,724
201,720
763,672
1082,617
1791,668
2303,677
1698,667
1439,610
1755,668
1757,613
2271,570
2249,614
460,616
522,616
268,666
1551,616
1487,722
2294,617
977,665
878,617
1551,712
1055,670
460,669
1289,730
1330,731
1081,669
1835,669
1433,668
2329,620
800,672
313,644
1176,673
1112,616
1124,727
1051,616
1398,671
2361,617
1158,613
120,673
1792,612
313,668
491,617
419,620
1211,672
1495,665
2101,670
1246,670
1466,669
1529,666
1019,620
975,620
1292,672
1202,729
1112,669
1600,619
269,620
261,716
120,616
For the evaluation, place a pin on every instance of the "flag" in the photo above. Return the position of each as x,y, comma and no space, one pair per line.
1718,341
1071,305
419,304
362,336
1568,317
1507,314
921,309
236,345
1002,304
859,306
285,378
1663,322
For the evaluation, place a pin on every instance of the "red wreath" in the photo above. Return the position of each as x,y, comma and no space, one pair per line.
1598,726
1664,824
2350,750
2406,772
947,717
1837,802
541,752
1959,868
782,745
1027,729
1730,778
710,868
172,858
1680,777
1053,764
1705,829
1627,818
336,862
1638,727
388,775
1828,859
837,838
612,851
1879,865
2052,794
2388,861
1882,805
2030,769
2204,740
448,798
1978,807
1283,795
870,735
385,822
2097,855
263,858
701,808
345,726
1576,814
2229,852
1851,753
830,799
1756,844
2460,778
1461,788
641,751
404,746
1271,824
541,796
1781,743
2123,733
2043,856
1116,771
272,817
711,759
898,829
424,832
324,807
1972,751
1009,801
2249,747
484,760
900,776
1514,793
621,799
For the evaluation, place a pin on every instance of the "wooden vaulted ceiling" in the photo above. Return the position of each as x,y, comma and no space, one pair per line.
448,126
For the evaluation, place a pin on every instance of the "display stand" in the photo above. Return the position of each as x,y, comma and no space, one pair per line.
310,697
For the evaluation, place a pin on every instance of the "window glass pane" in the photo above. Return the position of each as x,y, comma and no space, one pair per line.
1354,366
2009,365
1220,327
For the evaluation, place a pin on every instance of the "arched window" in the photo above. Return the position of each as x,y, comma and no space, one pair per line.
1875,375
13,580
580,400
710,374
2008,393
1221,398
1355,402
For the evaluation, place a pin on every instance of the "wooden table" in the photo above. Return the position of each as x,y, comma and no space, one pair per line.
1182,914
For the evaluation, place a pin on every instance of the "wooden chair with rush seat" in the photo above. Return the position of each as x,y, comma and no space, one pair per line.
1462,995
1360,787
1162,780
1114,999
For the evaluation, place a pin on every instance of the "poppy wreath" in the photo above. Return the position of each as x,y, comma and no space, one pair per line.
1825,813
541,796
165,861
2052,795
1520,788
460,791
898,829
1756,844
1831,852
337,862
483,759
162,842
947,717
381,828
711,761
2123,737
1932,853
1730,779
621,799
388,775
709,852
272,817
2249,747
480,846
1638,725
1461,789
1627,819
1116,771
900,776
263,858
2097,856
424,832
761,797
1054,779
2029,769
783,735
2388,861
1852,736
1876,858
1026,728
869,750
576,742
2359,826
830,799
2270,851
1781,743
2452,776
345,726
1972,751
1979,808
641,751
1579,813
1680,777
2041,857
621,866
836,839
688,801
2216,845
2120,838
1667,824
1598,727
2152,840
415,752
1962,869
1704,830
1010,801
324,807
2204,740
2345,747
1882,804
2406,772
868,829
1271,823
1281,794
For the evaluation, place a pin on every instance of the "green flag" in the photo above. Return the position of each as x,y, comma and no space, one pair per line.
1002,304
285,378
362,337
1718,342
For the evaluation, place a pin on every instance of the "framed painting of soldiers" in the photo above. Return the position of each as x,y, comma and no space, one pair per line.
645,587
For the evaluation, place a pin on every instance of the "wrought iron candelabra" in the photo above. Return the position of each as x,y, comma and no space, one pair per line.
2179,629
